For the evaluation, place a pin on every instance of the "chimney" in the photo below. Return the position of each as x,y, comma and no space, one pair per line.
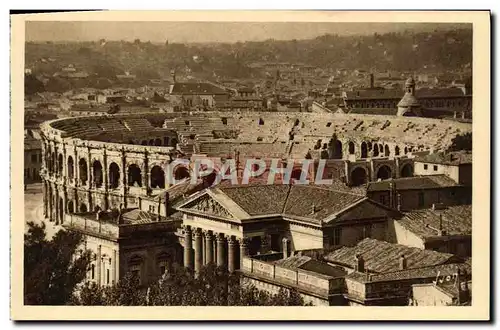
402,262
360,263
372,80
285,248
313,209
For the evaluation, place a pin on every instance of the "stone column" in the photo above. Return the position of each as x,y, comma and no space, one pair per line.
231,258
198,250
188,247
243,250
214,248
204,250
285,247
98,263
114,269
209,246
221,250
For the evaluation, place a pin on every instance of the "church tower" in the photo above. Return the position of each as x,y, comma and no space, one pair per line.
409,105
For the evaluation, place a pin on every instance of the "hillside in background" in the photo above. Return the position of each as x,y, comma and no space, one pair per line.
405,51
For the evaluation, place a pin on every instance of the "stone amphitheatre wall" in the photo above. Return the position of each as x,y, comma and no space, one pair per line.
108,161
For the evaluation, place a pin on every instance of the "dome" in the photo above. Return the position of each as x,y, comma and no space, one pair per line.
410,81
408,100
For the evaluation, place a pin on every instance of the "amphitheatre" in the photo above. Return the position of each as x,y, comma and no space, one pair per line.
113,161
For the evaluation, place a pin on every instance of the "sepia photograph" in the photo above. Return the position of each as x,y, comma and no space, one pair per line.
321,161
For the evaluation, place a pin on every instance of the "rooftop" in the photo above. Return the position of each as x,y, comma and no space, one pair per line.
456,220
196,88
408,100
413,183
451,158
310,264
383,257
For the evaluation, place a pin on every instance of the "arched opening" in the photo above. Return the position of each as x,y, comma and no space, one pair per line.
165,141
358,176
134,176
406,150
381,148
97,167
144,142
83,208
61,210
181,172
396,151
364,150
71,207
387,152
82,168
157,142
352,148
375,150
384,172
60,164
157,177
407,171
71,168
337,150
114,176
151,142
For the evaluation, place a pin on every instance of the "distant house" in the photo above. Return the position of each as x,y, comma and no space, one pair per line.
456,165
197,94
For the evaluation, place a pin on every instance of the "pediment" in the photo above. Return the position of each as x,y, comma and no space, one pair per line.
208,205
364,210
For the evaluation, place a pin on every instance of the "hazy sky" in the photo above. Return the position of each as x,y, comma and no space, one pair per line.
206,31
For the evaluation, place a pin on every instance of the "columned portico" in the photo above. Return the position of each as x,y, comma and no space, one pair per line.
188,247
209,246
231,258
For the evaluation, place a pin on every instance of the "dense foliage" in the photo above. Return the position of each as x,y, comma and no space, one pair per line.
179,287
52,268
461,142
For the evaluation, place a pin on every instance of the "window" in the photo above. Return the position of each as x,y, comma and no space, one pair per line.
425,166
328,124
261,121
34,158
337,233
187,122
435,167
224,121
420,199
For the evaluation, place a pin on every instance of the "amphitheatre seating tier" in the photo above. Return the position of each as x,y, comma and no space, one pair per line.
271,127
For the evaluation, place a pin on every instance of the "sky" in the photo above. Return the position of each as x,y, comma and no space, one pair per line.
206,31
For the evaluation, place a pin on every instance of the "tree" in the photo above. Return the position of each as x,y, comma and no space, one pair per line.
32,85
52,268
461,142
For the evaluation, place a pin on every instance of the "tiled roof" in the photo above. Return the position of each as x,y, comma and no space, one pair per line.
310,264
375,111
383,257
417,273
456,220
137,216
416,182
451,158
196,88
290,200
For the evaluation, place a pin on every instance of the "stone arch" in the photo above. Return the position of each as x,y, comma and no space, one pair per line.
134,175
114,175
384,172
71,168
82,169
83,208
352,148
364,150
358,176
181,172
144,142
157,177
71,207
387,152
381,148
337,149
375,150
157,142
97,169
407,170
396,151
60,164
